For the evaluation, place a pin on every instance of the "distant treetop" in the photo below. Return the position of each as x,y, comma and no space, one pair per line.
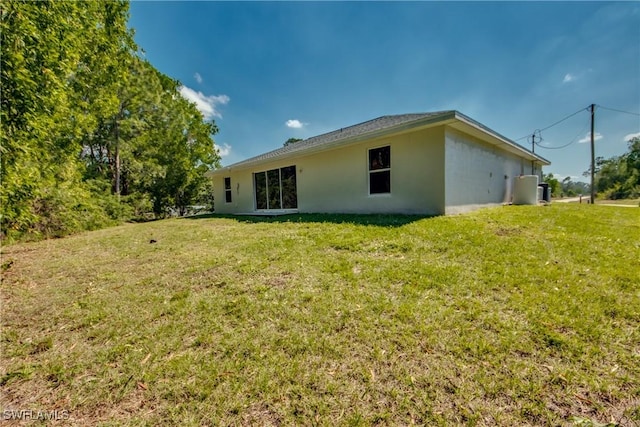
291,141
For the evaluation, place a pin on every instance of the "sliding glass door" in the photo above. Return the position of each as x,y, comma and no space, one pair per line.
276,188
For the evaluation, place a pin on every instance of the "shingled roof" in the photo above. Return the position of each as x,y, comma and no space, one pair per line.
364,130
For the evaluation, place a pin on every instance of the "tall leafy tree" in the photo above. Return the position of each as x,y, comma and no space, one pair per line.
178,147
633,165
554,184
42,46
156,146
619,177
85,119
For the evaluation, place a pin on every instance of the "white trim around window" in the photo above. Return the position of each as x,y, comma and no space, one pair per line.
379,170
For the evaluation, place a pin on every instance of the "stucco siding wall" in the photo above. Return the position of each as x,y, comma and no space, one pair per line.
477,173
336,181
241,193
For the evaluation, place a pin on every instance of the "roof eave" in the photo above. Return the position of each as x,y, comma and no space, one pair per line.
440,119
511,145
447,117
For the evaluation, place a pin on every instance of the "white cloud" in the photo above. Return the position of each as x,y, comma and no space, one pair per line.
631,136
295,124
224,149
587,137
198,77
206,104
568,78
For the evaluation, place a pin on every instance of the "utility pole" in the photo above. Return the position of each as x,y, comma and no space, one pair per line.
593,158
533,143
533,150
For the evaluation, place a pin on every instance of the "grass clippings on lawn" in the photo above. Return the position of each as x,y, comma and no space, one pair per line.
505,316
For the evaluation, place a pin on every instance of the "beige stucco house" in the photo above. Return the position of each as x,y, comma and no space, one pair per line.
426,163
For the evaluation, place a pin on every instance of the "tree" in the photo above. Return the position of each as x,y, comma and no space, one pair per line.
86,120
554,184
633,164
156,146
185,150
619,177
571,188
44,50
291,141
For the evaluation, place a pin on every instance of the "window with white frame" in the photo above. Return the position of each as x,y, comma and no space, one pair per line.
276,188
380,170
227,189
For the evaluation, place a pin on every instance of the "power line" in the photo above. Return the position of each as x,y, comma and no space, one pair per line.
556,123
575,138
619,111
562,120
556,148
535,139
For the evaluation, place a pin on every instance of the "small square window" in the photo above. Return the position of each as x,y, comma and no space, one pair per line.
380,182
380,158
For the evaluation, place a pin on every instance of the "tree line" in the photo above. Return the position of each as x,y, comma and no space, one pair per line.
615,178
567,187
91,133
619,177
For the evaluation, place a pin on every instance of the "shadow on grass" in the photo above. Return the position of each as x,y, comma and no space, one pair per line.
382,220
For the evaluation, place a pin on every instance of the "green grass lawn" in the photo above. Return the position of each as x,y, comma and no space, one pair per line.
505,316
629,202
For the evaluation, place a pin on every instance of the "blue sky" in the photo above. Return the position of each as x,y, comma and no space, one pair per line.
268,71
